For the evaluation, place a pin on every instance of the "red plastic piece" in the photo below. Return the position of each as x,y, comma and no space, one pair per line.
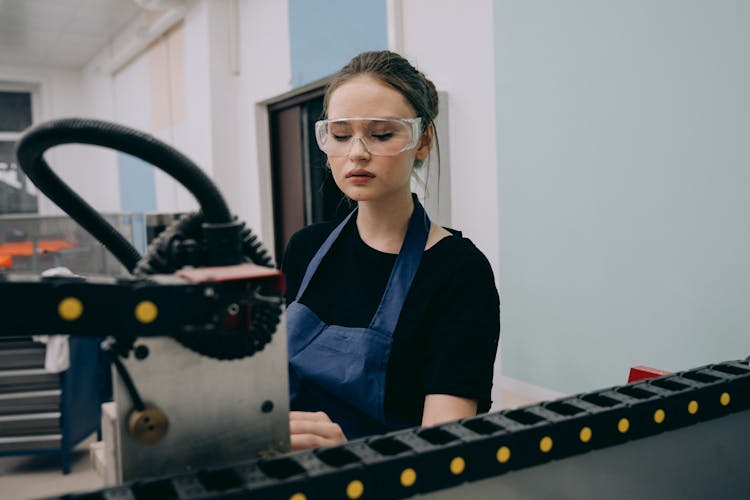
239,272
643,372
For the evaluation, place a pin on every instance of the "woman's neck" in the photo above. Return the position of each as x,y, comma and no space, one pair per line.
382,224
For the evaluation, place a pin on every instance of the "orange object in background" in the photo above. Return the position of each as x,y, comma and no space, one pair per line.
643,372
26,248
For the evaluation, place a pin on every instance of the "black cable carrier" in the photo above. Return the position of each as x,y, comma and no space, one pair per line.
192,301
423,460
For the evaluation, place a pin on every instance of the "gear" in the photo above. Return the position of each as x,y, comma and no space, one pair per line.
176,247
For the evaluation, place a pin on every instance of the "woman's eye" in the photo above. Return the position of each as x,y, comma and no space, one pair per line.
341,137
384,136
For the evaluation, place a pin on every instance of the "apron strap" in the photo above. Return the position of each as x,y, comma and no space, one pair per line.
322,251
404,270
402,275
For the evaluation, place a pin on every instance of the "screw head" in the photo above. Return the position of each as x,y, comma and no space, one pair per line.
140,351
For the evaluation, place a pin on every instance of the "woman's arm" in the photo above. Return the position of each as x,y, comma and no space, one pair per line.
314,429
462,344
441,408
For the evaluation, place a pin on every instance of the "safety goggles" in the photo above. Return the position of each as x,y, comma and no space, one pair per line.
381,136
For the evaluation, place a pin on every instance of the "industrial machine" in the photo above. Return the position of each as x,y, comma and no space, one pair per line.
189,333
197,340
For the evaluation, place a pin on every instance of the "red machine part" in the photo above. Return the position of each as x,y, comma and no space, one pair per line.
643,372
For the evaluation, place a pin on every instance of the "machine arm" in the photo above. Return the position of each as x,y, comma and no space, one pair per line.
217,302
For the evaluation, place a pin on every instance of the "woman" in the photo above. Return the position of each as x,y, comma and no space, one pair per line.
392,321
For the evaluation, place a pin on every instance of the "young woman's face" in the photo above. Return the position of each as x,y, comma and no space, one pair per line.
361,175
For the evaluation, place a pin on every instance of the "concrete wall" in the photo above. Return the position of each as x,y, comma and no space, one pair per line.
622,138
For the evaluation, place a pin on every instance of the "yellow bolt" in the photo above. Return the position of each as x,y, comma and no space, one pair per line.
146,311
693,407
659,416
70,308
545,444
623,425
725,399
408,477
503,454
585,434
298,496
457,465
355,489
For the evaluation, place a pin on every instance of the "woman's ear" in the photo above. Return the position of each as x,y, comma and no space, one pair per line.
425,143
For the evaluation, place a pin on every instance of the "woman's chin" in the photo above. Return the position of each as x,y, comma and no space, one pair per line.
358,193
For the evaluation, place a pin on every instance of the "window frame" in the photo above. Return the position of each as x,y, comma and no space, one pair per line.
34,90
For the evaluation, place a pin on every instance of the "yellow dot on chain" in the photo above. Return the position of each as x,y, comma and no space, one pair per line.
503,454
585,434
457,465
693,407
355,489
545,444
70,308
623,425
659,416
146,311
408,477
298,496
725,399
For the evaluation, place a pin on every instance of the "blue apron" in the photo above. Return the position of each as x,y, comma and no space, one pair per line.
341,370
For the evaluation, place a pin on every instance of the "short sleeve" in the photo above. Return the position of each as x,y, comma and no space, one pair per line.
291,266
464,332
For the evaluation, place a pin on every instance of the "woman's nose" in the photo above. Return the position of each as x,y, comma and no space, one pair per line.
358,148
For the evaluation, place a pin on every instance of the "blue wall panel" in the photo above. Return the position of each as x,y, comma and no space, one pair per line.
137,184
325,34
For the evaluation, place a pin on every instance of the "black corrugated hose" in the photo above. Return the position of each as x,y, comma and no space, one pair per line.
211,237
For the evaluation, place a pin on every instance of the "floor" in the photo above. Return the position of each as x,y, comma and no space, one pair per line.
37,476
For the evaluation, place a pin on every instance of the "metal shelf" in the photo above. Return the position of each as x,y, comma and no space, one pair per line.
48,413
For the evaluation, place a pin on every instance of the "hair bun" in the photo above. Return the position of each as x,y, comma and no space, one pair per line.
432,95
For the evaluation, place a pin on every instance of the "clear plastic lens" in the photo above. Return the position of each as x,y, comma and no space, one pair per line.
381,136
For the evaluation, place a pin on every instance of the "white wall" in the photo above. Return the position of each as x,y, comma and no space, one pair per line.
63,94
264,73
219,128
99,164
623,152
452,43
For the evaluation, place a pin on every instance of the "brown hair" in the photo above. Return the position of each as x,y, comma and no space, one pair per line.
395,71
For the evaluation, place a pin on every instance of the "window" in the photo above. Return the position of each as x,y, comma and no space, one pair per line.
17,193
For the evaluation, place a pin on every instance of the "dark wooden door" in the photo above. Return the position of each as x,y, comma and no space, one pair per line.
303,190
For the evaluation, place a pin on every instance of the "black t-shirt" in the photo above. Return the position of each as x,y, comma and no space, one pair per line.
447,334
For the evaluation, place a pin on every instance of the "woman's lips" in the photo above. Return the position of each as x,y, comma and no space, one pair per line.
359,176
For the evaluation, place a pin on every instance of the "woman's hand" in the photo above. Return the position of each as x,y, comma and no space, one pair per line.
312,430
